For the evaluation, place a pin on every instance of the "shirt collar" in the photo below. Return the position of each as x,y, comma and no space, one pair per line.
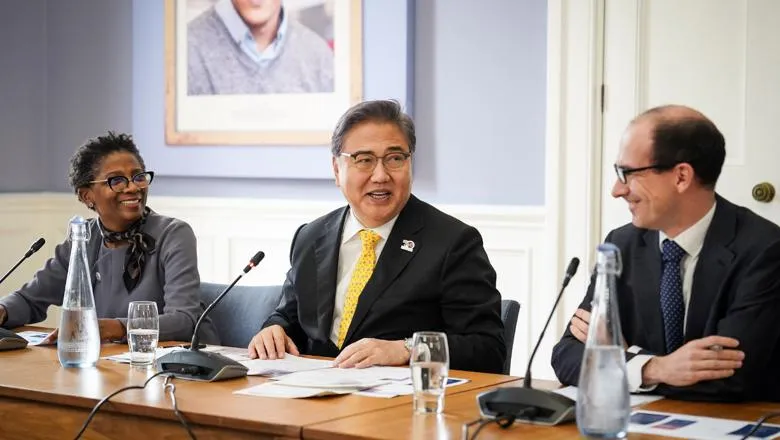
692,239
352,226
235,24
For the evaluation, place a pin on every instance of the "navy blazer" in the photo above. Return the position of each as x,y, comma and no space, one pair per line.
446,284
735,293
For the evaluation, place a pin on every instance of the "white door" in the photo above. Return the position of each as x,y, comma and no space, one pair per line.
721,57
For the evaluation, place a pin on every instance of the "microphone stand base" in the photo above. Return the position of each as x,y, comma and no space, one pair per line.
199,365
527,405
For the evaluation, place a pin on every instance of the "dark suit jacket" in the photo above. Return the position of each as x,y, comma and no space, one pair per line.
446,284
735,293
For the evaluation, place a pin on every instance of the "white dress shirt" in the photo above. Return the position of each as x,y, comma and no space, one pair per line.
691,240
349,252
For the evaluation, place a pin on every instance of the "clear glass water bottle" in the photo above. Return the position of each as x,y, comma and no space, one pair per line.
78,342
603,405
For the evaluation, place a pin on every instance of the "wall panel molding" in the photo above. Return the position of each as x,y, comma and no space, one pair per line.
230,231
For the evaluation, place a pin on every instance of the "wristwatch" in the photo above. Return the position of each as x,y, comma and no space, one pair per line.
408,344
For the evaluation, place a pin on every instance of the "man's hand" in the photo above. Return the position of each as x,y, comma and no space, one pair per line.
110,330
579,324
368,352
695,362
271,343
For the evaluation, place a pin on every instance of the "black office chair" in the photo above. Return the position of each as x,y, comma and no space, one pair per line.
241,312
510,309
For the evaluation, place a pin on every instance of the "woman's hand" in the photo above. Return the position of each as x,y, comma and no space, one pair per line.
110,330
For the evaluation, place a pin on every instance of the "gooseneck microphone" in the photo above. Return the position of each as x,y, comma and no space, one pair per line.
194,364
574,264
33,249
526,403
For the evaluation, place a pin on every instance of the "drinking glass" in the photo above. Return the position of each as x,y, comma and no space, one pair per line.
143,330
430,364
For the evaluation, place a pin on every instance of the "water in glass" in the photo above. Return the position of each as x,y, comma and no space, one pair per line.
430,365
143,329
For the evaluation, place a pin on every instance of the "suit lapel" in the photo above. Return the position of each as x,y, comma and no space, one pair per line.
326,254
647,288
391,262
714,259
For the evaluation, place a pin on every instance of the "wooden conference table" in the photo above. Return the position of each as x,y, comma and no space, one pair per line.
41,400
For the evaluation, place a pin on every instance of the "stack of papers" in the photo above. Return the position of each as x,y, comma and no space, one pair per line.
298,377
386,382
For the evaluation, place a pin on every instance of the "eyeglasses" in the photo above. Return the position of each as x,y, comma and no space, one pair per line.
623,172
120,183
368,161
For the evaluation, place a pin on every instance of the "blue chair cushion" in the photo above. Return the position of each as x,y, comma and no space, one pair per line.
241,313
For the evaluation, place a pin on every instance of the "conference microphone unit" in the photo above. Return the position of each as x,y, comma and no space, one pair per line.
33,249
194,364
526,404
9,340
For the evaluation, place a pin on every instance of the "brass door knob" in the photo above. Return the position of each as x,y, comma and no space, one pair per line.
764,192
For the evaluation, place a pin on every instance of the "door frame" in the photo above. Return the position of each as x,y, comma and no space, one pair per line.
573,165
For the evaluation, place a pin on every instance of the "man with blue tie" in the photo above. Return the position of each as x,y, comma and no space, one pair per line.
699,295
365,277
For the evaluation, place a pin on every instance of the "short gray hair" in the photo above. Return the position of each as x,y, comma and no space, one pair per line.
387,111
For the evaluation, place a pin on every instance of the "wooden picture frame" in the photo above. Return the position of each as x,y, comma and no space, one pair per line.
305,118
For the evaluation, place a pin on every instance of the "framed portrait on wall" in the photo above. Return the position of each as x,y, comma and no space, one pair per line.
251,72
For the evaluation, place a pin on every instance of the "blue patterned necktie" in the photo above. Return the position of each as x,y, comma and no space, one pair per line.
672,305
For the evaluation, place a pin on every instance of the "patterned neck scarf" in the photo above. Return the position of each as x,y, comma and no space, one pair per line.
141,245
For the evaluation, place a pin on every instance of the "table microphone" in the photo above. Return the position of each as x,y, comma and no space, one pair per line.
194,364
33,249
525,403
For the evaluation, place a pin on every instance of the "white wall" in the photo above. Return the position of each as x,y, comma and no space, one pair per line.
230,231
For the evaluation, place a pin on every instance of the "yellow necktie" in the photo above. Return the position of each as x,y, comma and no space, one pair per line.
360,276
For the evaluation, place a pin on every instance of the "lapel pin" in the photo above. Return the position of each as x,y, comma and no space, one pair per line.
408,245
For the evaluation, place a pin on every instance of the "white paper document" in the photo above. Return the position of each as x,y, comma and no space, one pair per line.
33,337
636,399
272,389
124,358
280,367
692,427
402,388
335,378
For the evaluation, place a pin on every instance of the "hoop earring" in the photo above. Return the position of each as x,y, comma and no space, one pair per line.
91,205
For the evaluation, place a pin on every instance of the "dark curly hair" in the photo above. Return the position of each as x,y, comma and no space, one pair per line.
85,162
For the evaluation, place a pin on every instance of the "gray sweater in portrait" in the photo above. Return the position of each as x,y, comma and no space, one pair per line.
170,278
217,65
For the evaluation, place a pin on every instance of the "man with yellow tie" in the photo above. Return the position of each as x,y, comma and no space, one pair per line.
365,277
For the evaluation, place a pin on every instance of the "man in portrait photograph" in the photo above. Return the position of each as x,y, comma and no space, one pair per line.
257,47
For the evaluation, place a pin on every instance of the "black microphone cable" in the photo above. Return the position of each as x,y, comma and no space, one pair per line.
167,386
502,420
760,422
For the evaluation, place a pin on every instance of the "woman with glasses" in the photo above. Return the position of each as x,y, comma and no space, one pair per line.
134,253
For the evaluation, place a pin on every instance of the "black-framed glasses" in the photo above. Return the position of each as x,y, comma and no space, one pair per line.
624,172
120,183
367,161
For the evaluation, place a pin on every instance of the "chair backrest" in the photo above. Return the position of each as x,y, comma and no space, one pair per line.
241,312
510,309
